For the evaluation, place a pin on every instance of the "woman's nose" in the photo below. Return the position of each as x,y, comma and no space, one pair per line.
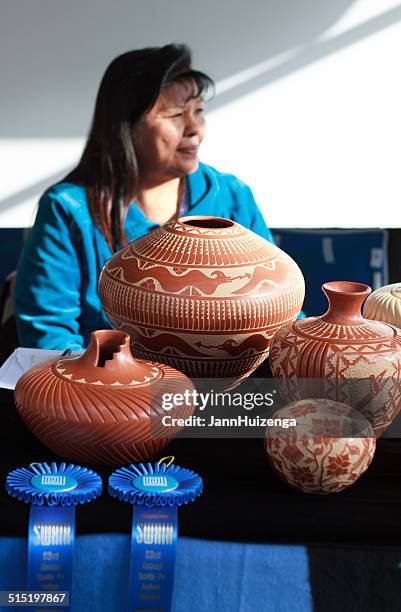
193,124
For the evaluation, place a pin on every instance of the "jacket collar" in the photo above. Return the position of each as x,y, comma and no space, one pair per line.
200,189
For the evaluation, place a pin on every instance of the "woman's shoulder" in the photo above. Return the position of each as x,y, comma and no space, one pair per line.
69,195
64,198
224,179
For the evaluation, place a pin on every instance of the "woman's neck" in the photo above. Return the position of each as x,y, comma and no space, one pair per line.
159,203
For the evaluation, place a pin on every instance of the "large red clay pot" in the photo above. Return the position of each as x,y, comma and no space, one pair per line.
102,407
203,294
342,356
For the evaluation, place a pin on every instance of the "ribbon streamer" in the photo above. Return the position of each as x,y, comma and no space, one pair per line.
50,548
156,491
153,548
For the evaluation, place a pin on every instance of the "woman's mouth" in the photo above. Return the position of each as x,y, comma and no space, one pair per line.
189,151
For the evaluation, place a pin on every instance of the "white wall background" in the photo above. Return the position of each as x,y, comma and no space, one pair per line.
307,110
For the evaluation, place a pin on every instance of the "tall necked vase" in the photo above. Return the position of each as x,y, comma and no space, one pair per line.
202,294
342,356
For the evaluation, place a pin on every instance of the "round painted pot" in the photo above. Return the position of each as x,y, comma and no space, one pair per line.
384,304
331,446
202,294
342,356
103,406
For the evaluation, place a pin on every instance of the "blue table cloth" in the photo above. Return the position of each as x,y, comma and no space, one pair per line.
210,576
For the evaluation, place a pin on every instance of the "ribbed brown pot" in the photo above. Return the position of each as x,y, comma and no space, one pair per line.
96,408
342,356
203,294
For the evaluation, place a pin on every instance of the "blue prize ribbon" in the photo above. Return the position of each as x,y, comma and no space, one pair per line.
156,491
50,548
51,485
152,565
53,492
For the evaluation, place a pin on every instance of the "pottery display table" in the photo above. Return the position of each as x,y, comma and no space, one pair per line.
346,545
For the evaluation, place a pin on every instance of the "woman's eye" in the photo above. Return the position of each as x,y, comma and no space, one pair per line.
176,115
200,110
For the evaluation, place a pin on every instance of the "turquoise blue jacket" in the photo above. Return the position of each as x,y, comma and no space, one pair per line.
57,303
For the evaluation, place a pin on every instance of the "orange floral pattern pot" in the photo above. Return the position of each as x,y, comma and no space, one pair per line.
331,446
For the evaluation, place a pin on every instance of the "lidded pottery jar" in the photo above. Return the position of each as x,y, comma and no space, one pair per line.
384,304
330,447
103,406
342,356
202,294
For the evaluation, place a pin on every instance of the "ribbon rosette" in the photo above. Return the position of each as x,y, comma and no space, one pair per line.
181,486
68,485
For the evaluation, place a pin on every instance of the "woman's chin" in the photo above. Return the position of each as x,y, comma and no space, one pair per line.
189,166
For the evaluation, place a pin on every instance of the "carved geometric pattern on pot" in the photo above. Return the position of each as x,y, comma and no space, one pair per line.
183,228
189,282
366,376
61,368
207,368
193,313
317,329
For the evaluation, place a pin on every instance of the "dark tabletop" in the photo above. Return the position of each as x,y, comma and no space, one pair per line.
243,500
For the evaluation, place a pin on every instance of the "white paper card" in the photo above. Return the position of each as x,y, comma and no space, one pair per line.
21,360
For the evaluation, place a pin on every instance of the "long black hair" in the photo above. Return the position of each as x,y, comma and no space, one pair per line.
109,168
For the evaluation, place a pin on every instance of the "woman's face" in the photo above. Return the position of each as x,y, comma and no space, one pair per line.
169,136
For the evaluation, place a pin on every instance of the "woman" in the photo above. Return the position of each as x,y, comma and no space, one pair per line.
139,169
